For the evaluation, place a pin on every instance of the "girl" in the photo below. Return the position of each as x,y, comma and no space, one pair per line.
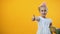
44,23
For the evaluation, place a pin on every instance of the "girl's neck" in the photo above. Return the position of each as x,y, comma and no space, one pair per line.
43,16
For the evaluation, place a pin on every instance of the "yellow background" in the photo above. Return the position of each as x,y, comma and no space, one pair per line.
16,15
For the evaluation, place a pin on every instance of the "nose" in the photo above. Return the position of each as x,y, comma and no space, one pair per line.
44,11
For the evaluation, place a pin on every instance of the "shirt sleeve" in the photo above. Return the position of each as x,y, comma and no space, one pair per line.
50,21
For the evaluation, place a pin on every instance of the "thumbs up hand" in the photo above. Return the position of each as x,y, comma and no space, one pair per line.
33,18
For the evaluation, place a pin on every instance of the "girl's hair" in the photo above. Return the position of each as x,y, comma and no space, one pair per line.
43,5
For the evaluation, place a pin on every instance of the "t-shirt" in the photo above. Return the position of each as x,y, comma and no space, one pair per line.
43,26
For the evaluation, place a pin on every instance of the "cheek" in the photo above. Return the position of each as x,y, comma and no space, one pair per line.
45,12
41,12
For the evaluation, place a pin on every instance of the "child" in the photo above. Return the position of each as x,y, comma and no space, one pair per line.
44,23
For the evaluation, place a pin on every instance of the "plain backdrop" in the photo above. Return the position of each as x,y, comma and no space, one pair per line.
16,15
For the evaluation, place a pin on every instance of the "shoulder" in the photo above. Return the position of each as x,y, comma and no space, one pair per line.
50,20
39,17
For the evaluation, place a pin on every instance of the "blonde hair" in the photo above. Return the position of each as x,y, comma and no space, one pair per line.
43,5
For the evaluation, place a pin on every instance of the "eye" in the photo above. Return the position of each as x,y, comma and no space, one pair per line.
44,10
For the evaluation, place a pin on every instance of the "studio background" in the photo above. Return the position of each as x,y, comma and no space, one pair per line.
16,15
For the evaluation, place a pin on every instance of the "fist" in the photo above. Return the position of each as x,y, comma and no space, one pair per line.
33,18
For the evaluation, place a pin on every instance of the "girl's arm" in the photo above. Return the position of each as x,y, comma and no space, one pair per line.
34,18
51,28
50,25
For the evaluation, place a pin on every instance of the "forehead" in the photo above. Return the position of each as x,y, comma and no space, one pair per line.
43,8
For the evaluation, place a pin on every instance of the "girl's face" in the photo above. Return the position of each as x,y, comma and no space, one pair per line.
43,11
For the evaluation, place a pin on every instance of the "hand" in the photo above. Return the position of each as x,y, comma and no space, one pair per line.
33,18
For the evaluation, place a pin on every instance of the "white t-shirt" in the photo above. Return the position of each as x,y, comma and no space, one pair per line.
43,26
